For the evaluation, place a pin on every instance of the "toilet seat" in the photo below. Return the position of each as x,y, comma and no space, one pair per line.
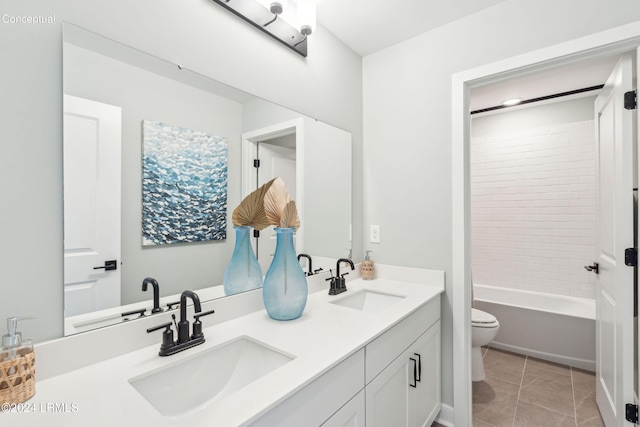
482,319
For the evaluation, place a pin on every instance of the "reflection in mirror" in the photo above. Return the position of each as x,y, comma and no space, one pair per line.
110,89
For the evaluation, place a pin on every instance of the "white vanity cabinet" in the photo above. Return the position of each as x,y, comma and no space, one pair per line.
406,390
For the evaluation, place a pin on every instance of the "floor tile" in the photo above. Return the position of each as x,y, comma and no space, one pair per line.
529,415
494,401
584,380
479,423
550,366
586,408
548,389
504,365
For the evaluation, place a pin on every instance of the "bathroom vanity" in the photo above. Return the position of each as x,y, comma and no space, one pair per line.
371,353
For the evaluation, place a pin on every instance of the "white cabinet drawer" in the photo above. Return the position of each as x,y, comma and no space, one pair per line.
315,403
384,349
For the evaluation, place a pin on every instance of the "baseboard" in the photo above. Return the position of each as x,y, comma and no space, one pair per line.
588,365
445,417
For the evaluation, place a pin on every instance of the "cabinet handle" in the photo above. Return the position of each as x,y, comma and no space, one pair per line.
419,367
415,373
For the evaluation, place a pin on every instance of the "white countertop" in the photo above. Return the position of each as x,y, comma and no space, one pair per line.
326,334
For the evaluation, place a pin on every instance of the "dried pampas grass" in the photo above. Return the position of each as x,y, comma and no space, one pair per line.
251,211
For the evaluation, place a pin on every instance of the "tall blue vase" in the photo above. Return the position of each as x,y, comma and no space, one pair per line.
285,285
243,272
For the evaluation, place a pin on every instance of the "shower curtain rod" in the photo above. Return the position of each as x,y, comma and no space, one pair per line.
542,98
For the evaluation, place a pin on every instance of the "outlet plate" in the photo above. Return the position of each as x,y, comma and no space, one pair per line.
374,234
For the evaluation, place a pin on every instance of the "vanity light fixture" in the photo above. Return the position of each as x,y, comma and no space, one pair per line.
288,21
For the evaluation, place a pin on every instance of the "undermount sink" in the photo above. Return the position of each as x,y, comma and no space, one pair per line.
368,300
208,376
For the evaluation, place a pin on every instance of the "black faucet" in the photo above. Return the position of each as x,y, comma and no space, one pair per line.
185,341
183,324
338,284
309,264
156,293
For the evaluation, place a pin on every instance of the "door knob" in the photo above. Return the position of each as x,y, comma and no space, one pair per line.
108,265
594,268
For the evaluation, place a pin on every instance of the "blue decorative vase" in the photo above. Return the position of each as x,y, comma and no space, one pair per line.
243,272
285,285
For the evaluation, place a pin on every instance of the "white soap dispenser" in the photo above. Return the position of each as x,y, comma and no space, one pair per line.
17,365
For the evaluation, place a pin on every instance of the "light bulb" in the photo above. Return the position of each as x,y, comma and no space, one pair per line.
511,102
306,16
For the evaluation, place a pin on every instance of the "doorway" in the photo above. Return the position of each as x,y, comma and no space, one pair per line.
610,42
274,151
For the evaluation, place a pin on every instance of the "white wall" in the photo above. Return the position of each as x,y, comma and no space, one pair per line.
533,198
197,34
407,124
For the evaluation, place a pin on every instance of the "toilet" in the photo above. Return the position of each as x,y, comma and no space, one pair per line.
484,328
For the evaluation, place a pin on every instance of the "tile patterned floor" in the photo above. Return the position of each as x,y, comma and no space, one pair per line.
523,391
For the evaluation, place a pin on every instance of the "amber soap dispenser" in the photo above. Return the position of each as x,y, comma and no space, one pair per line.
368,272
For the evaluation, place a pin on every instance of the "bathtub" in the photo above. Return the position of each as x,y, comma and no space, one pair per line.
551,327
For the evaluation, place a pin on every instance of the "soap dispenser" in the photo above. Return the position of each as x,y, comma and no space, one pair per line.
367,268
17,365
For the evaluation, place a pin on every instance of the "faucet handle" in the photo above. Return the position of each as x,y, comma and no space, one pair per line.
197,316
167,336
129,313
197,325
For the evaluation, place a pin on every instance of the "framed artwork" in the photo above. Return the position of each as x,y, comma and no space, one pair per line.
184,185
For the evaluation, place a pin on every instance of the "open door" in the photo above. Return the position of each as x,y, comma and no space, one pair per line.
615,232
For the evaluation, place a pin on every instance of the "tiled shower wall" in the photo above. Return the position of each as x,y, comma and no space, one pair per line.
533,209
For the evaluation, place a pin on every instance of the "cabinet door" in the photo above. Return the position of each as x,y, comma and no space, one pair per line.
387,396
350,415
424,400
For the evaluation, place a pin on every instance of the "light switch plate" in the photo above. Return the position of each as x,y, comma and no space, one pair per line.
374,234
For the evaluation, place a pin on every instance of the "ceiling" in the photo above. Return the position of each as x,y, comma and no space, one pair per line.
367,26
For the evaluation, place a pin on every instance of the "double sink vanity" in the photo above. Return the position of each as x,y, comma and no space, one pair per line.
371,353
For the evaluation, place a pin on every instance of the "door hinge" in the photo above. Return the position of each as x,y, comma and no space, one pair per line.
631,413
630,102
256,163
631,257
256,233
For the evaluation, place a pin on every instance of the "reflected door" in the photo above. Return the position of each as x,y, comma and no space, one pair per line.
614,286
92,138
276,160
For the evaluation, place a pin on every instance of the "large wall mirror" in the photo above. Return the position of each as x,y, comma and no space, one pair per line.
114,95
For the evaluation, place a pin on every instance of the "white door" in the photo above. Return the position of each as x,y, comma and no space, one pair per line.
92,138
275,161
614,286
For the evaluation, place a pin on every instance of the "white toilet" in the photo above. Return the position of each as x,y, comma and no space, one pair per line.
484,328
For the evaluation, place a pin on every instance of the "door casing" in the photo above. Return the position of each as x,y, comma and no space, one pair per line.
617,40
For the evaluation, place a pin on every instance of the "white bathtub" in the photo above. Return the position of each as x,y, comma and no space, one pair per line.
550,327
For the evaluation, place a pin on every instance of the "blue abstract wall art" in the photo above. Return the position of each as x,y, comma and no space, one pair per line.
184,185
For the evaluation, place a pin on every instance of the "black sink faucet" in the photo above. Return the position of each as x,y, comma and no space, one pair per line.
338,284
185,341
347,260
309,265
183,324
156,293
